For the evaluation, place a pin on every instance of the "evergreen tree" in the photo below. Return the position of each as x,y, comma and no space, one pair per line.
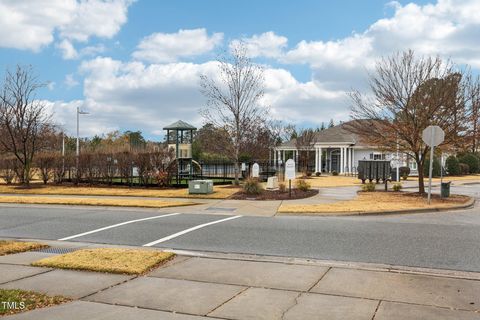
331,123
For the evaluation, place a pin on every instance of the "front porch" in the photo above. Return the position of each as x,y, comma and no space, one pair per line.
325,159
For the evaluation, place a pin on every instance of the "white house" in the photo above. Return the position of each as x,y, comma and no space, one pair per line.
337,149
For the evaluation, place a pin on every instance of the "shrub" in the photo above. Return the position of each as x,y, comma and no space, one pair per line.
309,173
404,177
404,171
334,173
282,187
162,178
252,186
368,187
464,168
452,166
397,187
318,174
303,185
472,161
436,167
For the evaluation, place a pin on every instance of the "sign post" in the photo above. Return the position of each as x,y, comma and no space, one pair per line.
290,174
255,170
432,136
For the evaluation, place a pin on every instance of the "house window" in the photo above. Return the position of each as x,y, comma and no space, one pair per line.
377,156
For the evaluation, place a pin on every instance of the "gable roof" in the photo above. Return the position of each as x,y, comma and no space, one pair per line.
334,135
179,125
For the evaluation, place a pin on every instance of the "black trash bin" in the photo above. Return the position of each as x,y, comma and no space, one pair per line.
445,189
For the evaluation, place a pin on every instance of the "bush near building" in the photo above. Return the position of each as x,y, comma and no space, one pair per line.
464,168
252,186
303,185
436,167
472,161
452,165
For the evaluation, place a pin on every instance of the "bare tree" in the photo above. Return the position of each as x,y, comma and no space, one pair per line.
23,118
232,101
410,93
474,119
304,143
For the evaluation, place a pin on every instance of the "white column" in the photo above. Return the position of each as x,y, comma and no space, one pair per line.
351,160
275,156
279,154
283,156
319,160
316,159
341,160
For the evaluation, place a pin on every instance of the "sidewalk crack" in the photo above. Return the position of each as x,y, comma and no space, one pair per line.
293,305
376,309
225,302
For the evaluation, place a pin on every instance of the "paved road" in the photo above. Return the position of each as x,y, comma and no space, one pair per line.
449,240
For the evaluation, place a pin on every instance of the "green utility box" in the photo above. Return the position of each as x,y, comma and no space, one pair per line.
200,186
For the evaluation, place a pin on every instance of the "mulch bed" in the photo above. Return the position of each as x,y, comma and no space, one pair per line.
275,195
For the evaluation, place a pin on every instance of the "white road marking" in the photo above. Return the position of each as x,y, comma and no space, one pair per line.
117,225
188,230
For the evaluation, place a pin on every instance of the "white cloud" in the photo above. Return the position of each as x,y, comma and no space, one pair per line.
134,95
70,81
31,25
169,47
69,52
267,44
98,18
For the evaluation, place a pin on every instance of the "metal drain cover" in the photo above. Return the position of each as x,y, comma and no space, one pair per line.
221,209
57,250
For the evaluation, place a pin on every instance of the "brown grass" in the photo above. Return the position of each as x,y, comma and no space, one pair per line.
139,203
31,300
126,261
220,192
375,202
9,247
333,181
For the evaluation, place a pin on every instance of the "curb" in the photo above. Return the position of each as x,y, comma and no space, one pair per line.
465,205
370,266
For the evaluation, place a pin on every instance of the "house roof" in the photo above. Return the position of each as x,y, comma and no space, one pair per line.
339,134
179,125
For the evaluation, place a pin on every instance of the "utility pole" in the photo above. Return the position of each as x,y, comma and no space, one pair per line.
78,138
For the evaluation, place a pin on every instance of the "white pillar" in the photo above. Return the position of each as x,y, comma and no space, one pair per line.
351,160
275,157
316,159
341,160
319,160
283,156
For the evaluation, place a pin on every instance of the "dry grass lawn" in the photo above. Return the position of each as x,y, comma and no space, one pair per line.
31,300
374,202
333,181
143,203
112,260
220,192
9,247
470,177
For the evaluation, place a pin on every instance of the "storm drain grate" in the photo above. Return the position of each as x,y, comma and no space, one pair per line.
221,209
57,250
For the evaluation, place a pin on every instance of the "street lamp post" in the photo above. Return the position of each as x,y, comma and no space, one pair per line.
79,112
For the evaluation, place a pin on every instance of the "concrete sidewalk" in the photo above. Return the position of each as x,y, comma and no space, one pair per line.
236,287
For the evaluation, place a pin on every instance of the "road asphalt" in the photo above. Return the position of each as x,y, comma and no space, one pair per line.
445,240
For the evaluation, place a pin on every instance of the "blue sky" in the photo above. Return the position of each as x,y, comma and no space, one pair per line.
135,64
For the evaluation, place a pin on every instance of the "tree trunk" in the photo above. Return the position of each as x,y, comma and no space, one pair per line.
236,171
421,184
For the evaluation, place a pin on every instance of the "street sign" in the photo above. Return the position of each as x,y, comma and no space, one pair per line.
290,169
433,136
255,170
